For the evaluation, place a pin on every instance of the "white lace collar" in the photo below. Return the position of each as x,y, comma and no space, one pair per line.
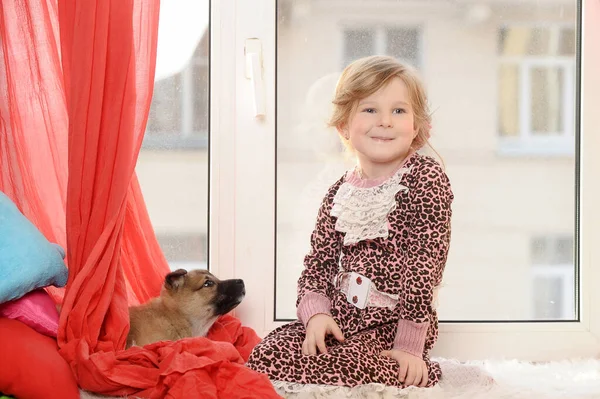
362,212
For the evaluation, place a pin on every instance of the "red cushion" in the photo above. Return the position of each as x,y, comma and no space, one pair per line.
30,365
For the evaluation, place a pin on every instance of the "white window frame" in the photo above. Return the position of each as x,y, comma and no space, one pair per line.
526,143
242,228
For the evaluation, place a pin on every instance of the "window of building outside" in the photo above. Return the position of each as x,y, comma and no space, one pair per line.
179,111
536,89
553,277
400,42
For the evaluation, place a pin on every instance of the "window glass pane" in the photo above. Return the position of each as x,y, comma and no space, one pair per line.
568,41
501,82
542,41
404,45
564,250
548,298
514,41
165,113
532,41
537,82
552,250
173,162
200,89
547,100
358,43
508,100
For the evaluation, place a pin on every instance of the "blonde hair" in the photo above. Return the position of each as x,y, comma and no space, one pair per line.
364,77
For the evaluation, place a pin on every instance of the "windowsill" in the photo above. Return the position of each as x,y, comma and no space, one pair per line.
536,146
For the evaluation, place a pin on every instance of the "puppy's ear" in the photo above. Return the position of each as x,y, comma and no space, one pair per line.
175,279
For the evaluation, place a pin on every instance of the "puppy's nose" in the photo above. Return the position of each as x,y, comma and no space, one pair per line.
240,283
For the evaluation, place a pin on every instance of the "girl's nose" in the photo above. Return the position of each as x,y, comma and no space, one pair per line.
385,120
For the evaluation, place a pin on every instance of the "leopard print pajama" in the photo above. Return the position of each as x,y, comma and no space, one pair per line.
408,263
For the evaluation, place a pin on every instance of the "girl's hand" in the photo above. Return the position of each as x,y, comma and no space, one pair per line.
413,370
317,328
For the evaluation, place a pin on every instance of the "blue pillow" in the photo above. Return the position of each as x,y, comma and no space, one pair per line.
27,259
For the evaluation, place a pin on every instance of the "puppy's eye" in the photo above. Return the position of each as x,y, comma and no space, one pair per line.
208,283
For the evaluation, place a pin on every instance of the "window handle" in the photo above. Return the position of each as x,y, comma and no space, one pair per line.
254,72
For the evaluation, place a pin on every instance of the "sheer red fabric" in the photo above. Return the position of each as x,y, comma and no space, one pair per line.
33,116
71,130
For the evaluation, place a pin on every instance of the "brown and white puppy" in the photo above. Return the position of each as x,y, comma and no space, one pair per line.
188,305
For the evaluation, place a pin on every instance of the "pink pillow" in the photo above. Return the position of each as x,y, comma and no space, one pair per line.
35,309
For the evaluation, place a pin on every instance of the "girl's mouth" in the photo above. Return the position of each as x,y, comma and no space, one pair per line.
382,139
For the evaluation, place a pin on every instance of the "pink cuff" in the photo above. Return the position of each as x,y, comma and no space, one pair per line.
312,304
411,336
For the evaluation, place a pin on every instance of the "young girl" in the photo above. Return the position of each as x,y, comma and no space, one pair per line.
366,296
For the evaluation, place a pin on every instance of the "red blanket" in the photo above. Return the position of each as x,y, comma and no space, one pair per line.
211,367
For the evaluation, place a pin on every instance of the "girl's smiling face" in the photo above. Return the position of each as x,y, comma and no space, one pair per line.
381,129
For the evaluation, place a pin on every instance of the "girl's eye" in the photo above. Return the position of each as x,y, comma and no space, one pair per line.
399,111
369,110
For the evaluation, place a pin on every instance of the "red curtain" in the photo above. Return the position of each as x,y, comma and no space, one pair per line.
34,124
33,115
108,56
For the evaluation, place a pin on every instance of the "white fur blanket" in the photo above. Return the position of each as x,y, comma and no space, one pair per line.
576,379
